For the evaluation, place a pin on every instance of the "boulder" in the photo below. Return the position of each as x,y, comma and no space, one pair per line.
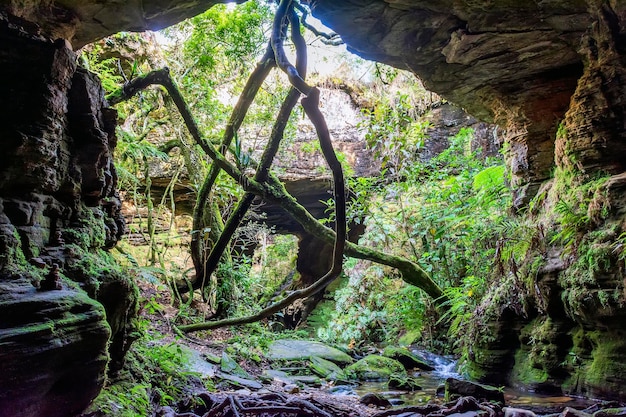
239,381
404,384
408,359
325,368
375,368
60,338
286,379
229,366
288,349
376,400
456,387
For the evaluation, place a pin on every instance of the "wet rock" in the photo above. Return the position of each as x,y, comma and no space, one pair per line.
404,384
456,387
376,400
288,349
517,412
375,368
54,350
408,359
342,390
325,368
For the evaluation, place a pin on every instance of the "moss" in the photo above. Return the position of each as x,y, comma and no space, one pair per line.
375,367
526,370
88,230
607,364
406,358
590,282
154,374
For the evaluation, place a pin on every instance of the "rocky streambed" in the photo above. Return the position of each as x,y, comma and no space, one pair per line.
308,378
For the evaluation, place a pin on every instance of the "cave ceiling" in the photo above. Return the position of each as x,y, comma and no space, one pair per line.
512,62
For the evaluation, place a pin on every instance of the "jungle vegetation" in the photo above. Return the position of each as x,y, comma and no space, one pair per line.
208,127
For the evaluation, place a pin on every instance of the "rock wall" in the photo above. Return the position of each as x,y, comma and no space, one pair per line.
571,334
65,310
550,72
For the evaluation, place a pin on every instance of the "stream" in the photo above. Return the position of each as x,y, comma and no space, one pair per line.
430,381
447,368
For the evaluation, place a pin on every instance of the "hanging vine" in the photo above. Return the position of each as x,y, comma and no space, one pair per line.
264,183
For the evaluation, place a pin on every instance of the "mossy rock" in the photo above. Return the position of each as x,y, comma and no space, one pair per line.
301,350
325,368
407,358
604,374
229,366
611,412
457,388
403,383
375,368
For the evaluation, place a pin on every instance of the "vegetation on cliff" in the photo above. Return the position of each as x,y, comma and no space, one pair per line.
472,272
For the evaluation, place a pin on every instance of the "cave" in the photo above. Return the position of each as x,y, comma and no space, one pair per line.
551,73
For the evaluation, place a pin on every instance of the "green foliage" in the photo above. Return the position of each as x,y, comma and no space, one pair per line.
449,215
394,132
156,373
94,59
582,204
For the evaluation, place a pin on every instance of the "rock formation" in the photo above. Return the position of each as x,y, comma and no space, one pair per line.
65,312
552,73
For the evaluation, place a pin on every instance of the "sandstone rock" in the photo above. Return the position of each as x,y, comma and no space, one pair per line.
457,387
57,199
54,350
375,368
287,349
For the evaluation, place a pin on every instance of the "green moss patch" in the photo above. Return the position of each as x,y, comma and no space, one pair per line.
375,368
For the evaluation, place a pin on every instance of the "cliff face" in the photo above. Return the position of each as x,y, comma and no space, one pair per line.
64,313
551,72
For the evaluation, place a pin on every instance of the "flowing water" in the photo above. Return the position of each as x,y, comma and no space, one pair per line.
447,368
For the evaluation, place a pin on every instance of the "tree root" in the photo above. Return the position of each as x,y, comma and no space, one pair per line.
268,405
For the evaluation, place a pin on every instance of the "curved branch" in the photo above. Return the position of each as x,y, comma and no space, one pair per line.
311,107
284,10
274,191
238,114
327,38
267,158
